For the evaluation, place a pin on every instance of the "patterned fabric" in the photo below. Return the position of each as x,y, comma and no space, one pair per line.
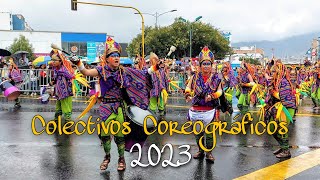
109,89
134,82
159,82
233,80
245,79
316,84
15,75
63,86
268,82
301,78
202,89
262,80
286,95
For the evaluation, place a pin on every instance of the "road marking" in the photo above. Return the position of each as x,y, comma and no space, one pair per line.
175,106
314,115
286,169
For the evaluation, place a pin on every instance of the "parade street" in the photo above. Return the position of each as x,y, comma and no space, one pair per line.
27,156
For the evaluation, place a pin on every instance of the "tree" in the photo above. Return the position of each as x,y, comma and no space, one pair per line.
22,44
251,61
159,40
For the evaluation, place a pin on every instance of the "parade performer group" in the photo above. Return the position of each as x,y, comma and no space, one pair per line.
210,89
146,85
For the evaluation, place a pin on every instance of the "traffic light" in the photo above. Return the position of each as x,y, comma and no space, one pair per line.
74,5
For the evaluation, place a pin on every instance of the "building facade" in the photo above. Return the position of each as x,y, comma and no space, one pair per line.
9,21
87,45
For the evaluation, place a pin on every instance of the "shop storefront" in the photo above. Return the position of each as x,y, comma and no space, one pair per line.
89,46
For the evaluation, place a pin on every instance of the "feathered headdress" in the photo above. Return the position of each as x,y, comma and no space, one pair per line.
206,54
56,54
112,46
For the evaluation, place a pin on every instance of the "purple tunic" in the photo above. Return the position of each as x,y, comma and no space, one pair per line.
63,86
159,82
301,78
232,80
134,82
317,82
15,75
245,79
262,80
287,97
202,89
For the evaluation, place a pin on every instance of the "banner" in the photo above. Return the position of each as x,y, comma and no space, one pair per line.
91,52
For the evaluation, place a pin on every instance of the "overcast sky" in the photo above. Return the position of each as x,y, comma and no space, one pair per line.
246,19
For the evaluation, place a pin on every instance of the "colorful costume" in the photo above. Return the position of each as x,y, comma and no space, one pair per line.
199,87
62,81
16,80
119,87
113,86
229,82
315,90
281,105
293,76
245,87
158,91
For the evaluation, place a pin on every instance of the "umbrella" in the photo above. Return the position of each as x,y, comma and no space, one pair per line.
21,52
4,52
41,60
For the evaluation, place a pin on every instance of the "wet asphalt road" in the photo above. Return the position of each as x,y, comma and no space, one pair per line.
26,156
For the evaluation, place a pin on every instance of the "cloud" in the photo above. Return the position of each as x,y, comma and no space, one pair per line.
247,19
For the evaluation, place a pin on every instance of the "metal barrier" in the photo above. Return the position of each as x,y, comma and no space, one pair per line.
33,79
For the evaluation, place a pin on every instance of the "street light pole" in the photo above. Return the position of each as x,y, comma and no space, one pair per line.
190,41
190,31
156,19
157,15
190,38
128,7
